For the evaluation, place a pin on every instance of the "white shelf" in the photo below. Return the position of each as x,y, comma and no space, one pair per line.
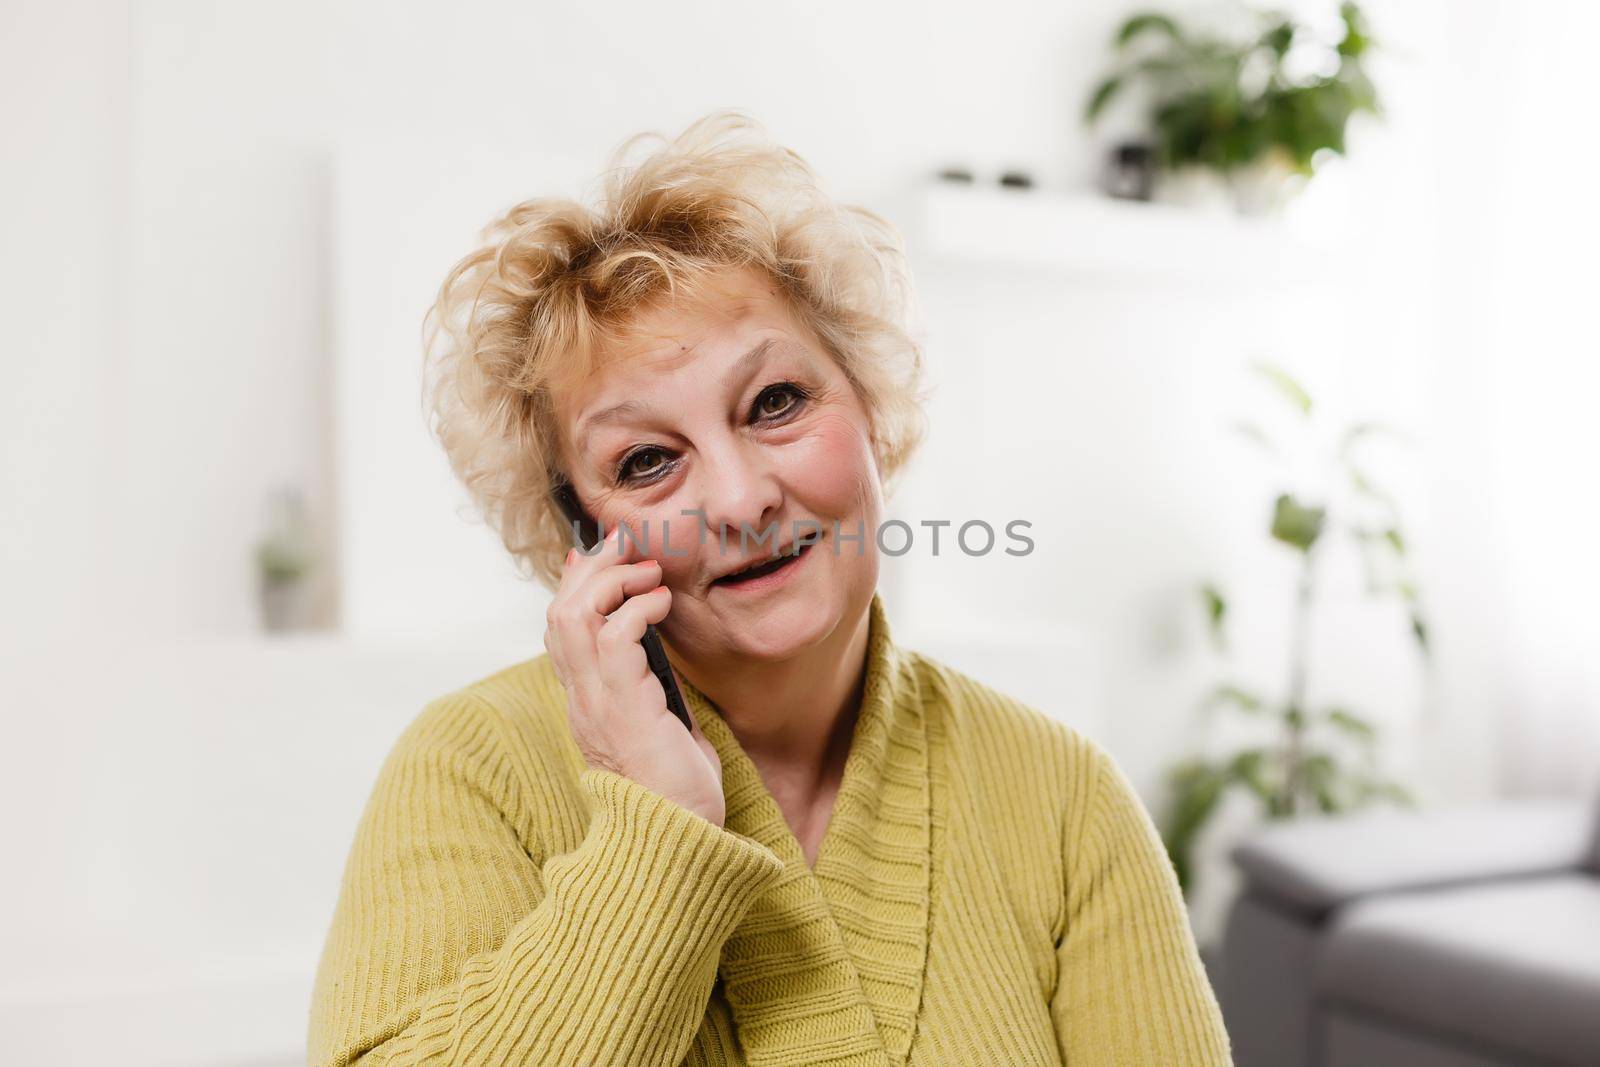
1100,238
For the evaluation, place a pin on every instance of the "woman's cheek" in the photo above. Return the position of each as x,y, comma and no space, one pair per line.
675,542
826,467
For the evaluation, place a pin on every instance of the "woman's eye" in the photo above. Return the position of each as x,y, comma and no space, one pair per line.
778,400
775,403
631,469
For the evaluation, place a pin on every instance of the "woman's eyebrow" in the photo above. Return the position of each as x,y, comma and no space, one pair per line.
745,365
627,409
615,413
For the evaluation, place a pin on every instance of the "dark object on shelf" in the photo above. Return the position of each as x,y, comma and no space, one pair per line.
956,174
1016,179
1130,172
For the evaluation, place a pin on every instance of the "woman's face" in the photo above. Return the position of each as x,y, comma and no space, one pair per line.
733,409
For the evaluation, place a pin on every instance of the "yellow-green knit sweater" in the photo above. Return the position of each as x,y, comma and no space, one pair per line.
989,891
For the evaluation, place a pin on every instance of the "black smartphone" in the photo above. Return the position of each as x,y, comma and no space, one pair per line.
588,535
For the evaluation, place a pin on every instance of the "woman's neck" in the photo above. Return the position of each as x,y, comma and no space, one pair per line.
795,718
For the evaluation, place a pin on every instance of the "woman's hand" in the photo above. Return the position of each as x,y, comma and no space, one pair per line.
615,707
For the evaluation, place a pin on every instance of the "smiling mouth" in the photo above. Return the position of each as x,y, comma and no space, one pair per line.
777,563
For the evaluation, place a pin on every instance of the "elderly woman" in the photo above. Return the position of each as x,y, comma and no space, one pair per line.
856,854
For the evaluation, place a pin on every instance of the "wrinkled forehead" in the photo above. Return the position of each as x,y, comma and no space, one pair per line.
699,328
672,327
715,306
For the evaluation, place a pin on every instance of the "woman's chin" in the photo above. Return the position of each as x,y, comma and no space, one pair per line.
778,627
782,633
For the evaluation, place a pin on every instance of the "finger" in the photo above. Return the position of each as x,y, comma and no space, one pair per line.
571,576
580,564
623,663
566,570
627,623
603,593
552,629
591,588
621,544
577,613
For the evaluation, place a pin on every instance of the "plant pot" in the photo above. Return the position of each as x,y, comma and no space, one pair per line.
1265,187
284,606
1195,188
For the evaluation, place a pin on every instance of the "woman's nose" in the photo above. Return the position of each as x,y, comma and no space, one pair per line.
738,490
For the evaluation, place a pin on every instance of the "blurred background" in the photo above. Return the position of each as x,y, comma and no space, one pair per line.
1286,352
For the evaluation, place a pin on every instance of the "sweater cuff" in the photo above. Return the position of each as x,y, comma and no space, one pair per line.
648,867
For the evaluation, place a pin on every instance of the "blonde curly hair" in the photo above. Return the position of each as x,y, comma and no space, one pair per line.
550,292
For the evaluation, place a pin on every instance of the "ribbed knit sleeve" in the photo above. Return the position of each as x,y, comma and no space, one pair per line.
1131,990
450,943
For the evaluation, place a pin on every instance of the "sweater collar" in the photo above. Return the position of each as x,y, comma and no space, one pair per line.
834,956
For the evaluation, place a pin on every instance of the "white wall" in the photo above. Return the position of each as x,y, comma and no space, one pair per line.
63,226
1527,227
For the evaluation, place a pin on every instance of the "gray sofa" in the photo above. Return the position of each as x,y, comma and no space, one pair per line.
1468,938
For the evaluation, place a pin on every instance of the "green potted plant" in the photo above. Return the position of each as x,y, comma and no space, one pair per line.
1258,110
1303,756
284,560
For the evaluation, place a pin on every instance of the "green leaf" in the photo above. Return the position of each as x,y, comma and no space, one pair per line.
1197,787
1364,430
1291,390
280,563
1233,695
1252,432
1352,725
1101,97
1368,789
1356,41
1296,524
1419,629
1147,22
1320,777
1365,486
1278,38
1396,793
1363,93
1216,613
1397,542
1249,769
